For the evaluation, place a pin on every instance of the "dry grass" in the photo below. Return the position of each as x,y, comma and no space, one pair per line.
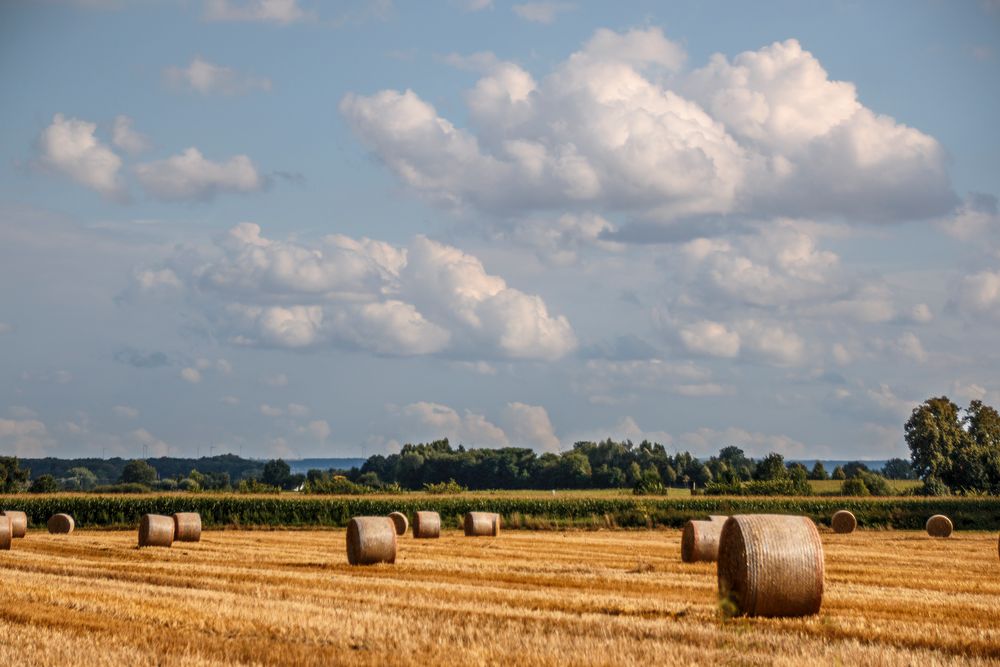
581,598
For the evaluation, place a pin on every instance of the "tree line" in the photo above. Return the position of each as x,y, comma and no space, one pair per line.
952,451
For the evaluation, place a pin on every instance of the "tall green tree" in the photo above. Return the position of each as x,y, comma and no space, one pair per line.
80,478
13,477
770,468
897,469
981,457
138,472
44,484
935,436
818,471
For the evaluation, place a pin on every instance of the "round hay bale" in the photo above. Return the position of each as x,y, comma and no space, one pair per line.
426,525
187,527
770,565
61,524
843,521
370,540
700,541
482,524
156,530
18,523
400,522
6,533
721,518
939,526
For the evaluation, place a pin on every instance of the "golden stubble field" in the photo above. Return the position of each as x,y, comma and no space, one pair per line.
525,598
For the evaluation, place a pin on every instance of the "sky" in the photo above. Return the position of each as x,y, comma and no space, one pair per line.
306,229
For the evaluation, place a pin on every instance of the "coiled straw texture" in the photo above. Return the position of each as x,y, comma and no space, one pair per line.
700,541
60,524
939,526
6,533
370,540
156,530
843,521
400,521
770,565
187,527
426,525
18,523
482,524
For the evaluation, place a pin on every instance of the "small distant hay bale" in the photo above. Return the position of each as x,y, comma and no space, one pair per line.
939,526
482,524
700,541
400,521
18,523
61,524
187,527
6,533
720,518
426,525
370,540
843,521
770,565
156,530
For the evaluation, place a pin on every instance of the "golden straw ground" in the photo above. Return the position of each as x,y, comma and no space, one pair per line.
528,598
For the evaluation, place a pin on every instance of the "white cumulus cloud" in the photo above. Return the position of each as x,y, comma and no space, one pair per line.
425,421
529,425
542,12
190,176
281,12
192,375
425,298
69,146
125,137
618,127
207,78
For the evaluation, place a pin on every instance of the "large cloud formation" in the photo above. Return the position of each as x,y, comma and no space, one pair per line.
618,127
426,298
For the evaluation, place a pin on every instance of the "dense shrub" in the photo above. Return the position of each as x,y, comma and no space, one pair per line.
442,488
933,486
44,484
776,487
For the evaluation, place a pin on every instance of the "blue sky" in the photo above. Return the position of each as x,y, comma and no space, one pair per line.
326,229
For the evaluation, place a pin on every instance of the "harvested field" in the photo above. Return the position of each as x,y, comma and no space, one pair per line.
528,598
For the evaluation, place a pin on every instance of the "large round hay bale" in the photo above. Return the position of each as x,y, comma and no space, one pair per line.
482,524
939,526
370,540
6,533
187,527
61,524
700,541
400,522
18,523
156,530
843,521
770,565
426,525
